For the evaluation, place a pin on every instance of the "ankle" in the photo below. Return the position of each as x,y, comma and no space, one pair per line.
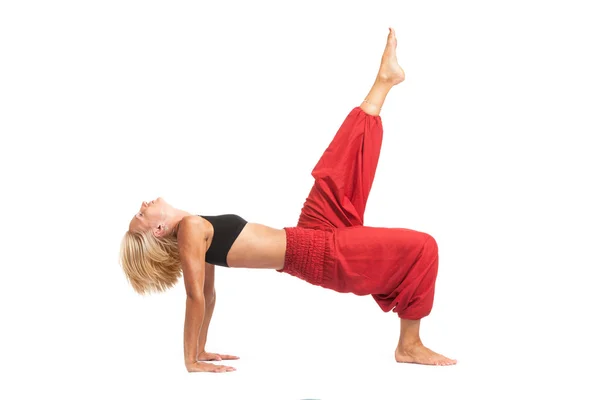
407,344
385,81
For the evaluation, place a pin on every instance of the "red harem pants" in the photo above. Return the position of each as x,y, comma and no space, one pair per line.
331,248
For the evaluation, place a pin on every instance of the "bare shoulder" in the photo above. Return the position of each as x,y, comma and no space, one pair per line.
196,225
192,220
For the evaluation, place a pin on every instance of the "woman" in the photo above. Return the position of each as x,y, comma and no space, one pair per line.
329,247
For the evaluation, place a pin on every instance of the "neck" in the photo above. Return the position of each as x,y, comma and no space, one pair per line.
176,219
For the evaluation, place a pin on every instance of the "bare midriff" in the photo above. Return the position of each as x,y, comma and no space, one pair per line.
258,246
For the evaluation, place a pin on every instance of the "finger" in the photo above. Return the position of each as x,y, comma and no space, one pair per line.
224,368
229,357
209,357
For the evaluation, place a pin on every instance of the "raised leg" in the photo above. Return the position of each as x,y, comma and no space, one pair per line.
344,174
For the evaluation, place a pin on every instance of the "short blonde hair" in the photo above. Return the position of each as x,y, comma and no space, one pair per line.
150,263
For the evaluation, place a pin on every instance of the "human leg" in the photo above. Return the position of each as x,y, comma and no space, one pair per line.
410,349
398,267
410,281
345,172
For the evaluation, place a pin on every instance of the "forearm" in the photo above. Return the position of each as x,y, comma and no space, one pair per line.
195,311
210,307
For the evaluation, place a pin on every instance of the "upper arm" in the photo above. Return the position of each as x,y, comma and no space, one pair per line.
191,239
209,279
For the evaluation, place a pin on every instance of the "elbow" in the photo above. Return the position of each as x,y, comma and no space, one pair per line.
210,296
195,296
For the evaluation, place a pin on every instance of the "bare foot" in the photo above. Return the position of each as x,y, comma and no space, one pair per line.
390,71
419,354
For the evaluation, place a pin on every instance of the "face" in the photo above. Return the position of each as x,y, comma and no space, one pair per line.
151,215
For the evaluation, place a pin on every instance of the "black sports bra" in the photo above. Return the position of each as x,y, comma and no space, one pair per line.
226,229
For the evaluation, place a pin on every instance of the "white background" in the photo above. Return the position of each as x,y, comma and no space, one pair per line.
225,107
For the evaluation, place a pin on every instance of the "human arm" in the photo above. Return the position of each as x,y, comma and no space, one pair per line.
209,301
210,296
192,241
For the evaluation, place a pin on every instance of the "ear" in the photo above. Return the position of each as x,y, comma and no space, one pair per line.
159,231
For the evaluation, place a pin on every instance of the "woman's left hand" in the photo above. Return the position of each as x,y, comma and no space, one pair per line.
204,356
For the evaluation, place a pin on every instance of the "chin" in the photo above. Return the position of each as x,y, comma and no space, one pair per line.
162,202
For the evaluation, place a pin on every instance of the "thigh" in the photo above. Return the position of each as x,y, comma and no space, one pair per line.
344,174
371,260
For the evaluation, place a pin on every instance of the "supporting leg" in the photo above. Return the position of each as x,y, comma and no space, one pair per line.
410,349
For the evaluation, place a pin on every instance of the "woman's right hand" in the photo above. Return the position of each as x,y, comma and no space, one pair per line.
200,366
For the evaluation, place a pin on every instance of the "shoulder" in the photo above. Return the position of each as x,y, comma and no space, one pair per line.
196,224
192,220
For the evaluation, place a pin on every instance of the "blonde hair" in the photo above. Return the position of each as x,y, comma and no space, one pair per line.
150,263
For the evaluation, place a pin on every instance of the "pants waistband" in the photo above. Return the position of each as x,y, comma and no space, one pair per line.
308,254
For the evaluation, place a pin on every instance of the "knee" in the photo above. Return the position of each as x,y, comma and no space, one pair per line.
430,246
